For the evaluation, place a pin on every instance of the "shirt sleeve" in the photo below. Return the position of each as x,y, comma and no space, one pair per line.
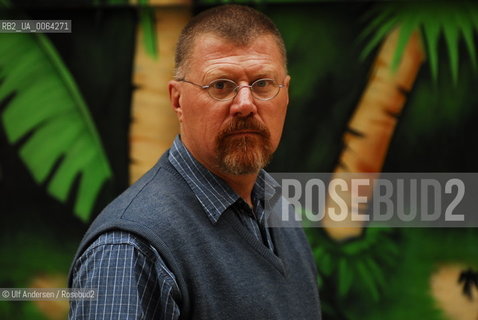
131,280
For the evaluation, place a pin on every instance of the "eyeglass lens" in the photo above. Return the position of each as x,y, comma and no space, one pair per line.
223,89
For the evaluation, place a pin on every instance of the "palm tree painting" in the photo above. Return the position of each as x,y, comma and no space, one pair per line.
364,273
154,123
408,34
79,150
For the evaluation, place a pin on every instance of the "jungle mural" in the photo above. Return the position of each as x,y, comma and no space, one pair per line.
376,86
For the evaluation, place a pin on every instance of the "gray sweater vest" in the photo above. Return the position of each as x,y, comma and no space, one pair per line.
222,270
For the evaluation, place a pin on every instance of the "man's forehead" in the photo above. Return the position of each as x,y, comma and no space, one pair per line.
211,47
217,41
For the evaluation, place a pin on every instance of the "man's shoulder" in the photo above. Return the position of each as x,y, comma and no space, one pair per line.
160,189
156,204
152,209
119,238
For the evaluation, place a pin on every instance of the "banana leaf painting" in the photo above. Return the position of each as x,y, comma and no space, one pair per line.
60,123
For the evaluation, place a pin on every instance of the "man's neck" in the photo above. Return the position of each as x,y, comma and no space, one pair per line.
242,185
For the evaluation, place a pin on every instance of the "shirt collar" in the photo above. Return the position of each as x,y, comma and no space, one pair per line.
212,192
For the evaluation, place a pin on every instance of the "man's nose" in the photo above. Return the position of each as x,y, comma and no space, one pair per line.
243,103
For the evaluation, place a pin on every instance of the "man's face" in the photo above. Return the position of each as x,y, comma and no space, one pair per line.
236,136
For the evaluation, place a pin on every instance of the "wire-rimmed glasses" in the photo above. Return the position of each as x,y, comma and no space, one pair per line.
225,89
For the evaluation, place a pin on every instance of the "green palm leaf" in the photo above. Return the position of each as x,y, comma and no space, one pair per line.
359,266
368,279
148,23
345,277
438,20
47,104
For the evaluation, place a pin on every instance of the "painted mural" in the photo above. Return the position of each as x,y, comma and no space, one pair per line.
376,87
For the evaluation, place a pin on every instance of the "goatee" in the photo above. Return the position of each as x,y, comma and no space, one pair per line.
243,147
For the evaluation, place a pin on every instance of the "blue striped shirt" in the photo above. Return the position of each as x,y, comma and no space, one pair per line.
132,280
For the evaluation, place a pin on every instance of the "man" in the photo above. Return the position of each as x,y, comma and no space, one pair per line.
190,239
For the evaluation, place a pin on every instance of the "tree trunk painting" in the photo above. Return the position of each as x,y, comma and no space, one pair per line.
153,122
373,123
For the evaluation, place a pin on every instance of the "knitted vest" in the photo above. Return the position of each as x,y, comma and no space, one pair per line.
222,270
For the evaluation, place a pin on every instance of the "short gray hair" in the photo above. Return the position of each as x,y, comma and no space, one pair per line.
236,23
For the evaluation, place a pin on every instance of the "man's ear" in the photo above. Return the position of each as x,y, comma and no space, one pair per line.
287,83
175,98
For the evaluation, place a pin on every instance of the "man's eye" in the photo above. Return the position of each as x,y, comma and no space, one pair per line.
219,84
262,83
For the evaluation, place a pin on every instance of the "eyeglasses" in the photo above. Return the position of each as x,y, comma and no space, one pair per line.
225,89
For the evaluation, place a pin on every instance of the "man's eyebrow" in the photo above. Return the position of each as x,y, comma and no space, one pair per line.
216,74
264,74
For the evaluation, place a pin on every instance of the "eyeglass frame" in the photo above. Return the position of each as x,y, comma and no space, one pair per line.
237,88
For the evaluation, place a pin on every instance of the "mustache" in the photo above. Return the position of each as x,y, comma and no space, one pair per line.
241,124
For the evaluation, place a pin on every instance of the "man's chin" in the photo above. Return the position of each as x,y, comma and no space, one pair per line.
240,162
240,169
243,153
